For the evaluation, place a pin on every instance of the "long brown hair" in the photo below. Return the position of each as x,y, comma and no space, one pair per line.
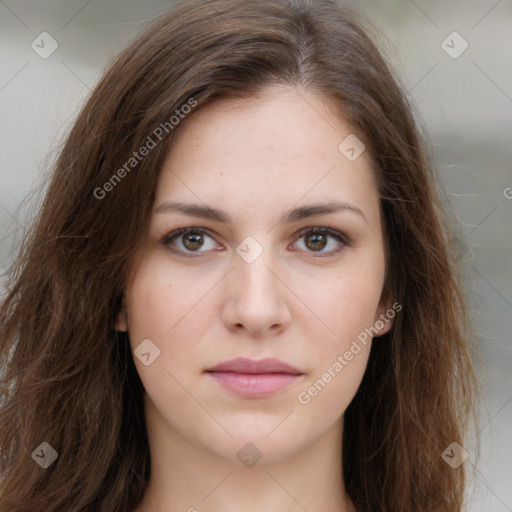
68,378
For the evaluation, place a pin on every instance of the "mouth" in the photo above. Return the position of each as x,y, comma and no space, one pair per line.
254,379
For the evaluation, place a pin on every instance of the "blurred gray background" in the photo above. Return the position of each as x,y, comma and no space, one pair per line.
463,97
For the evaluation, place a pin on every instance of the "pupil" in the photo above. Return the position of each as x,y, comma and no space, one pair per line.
317,238
192,241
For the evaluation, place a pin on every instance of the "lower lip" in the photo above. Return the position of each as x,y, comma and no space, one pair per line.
253,385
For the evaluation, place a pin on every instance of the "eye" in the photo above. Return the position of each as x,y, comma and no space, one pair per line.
189,240
317,239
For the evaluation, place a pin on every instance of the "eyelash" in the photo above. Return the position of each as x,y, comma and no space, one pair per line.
340,237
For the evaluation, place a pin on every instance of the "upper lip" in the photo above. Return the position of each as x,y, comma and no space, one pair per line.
243,365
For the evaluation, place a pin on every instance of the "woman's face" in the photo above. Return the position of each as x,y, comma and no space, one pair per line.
254,281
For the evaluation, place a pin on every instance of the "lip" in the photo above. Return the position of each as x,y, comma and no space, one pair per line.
243,365
254,379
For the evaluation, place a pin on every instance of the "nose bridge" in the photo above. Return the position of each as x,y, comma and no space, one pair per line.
256,299
254,258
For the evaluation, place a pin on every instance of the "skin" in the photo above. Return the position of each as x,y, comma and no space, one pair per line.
255,160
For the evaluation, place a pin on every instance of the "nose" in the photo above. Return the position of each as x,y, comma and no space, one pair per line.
256,298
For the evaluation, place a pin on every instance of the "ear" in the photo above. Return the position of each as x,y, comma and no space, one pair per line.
384,318
386,312
121,322
383,322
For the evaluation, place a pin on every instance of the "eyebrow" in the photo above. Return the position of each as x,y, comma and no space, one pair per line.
294,215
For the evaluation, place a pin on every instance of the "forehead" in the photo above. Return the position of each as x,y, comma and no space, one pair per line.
264,153
282,121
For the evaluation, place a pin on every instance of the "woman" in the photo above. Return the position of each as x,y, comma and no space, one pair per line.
239,293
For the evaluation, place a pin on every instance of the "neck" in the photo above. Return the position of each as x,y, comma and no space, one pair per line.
193,478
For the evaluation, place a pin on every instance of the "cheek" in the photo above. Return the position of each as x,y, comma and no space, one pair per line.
173,310
354,306
161,298
346,303
161,306
333,388
348,306
340,361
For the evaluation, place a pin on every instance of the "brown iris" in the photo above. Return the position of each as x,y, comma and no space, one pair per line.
318,241
193,241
